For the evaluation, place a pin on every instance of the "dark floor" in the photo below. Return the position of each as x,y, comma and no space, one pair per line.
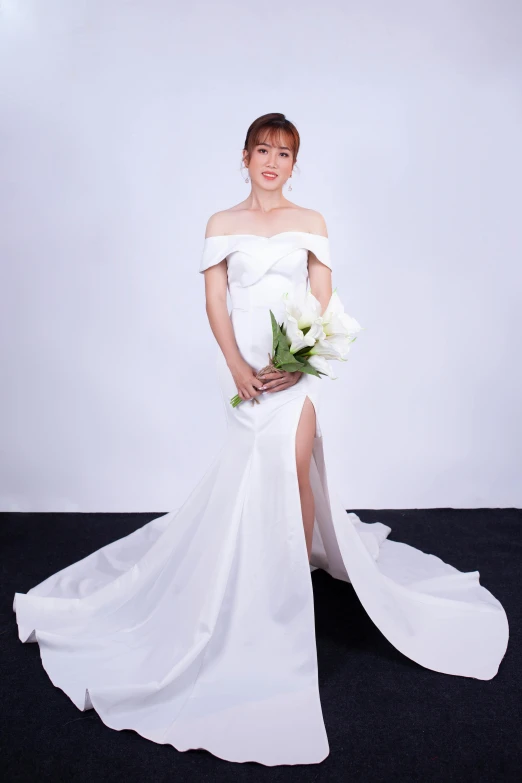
387,718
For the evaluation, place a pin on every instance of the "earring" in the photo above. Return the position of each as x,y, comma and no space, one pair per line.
247,180
289,183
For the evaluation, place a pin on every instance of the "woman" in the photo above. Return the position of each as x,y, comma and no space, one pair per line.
267,215
198,630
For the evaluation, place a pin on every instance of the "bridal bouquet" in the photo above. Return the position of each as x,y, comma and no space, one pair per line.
306,340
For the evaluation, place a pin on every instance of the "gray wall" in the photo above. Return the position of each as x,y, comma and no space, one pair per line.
122,125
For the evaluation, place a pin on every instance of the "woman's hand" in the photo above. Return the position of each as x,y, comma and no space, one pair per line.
279,380
245,379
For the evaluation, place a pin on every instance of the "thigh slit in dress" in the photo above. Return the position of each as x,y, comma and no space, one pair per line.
197,630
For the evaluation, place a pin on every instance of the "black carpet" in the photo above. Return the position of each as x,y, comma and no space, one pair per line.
387,718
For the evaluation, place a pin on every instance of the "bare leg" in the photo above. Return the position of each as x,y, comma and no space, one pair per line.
303,447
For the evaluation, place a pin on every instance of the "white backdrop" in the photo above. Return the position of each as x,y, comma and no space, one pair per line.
122,124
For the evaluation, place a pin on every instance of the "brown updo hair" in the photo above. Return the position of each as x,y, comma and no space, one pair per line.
279,131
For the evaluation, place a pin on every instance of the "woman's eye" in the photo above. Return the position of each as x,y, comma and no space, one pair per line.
262,149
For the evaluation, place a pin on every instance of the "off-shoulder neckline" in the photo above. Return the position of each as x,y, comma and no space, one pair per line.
261,236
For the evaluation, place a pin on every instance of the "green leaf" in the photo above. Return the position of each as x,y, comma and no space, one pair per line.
276,332
292,366
313,371
283,358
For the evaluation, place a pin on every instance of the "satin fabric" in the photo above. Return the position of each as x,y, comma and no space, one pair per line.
197,630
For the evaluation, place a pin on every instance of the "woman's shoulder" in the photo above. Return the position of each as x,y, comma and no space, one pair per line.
316,222
224,222
218,223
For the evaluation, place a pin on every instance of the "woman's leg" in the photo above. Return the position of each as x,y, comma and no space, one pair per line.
303,446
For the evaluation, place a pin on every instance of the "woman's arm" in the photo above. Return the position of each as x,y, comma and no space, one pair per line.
216,283
217,312
319,275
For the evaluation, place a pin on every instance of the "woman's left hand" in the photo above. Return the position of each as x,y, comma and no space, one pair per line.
279,380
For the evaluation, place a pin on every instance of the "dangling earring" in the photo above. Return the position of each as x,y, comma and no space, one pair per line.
289,183
247,180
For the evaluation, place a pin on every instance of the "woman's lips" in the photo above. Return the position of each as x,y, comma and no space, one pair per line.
269,176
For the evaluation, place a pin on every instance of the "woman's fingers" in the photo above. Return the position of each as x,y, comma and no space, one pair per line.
269,378
266,380
253,390
271,382
247,394
250,388
277,384
290,380
271,375
284,382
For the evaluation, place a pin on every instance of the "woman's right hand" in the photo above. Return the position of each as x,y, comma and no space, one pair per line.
248,385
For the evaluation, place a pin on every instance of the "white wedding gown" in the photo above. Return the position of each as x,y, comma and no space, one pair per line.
197,630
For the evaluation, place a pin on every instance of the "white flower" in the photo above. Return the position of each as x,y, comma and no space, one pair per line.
329,335
302,312
340,344
306,309
336,321
320,363
297,339
326,348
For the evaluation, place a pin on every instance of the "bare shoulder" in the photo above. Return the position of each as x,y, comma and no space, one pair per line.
223,222
216,224
316,223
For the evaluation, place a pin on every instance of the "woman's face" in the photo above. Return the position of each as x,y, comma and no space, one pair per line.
273,155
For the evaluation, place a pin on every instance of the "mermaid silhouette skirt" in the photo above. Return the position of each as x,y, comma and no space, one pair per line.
197,630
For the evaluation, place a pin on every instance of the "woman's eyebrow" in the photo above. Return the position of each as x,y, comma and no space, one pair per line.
266,144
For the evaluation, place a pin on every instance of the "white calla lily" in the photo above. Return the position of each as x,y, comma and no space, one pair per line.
304,307
303,311
295,336
326,348
336,321
316,331
328,336
321,364
341,344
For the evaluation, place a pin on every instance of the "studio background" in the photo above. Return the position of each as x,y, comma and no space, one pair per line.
122,125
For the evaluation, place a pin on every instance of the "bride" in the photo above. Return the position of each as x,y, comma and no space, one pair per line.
197,630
